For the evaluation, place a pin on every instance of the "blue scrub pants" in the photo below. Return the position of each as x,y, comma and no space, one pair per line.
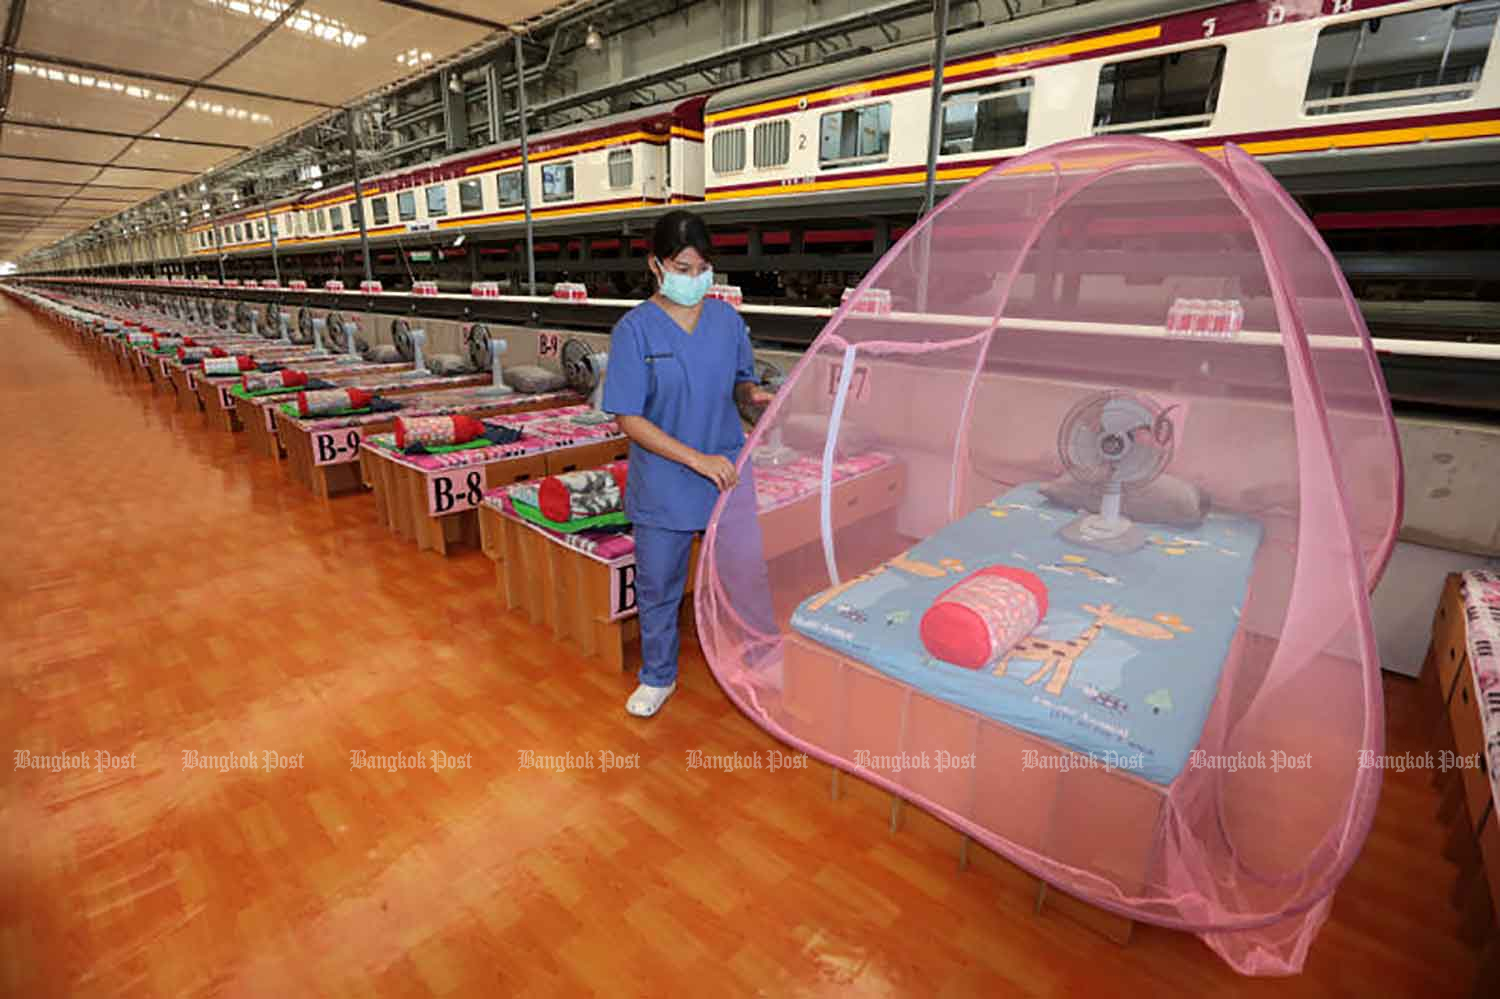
661,566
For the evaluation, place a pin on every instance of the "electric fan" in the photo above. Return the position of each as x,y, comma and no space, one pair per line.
485,351
409,343
244,318
1113,442
584,369
273,321
221,313
345,332
304,329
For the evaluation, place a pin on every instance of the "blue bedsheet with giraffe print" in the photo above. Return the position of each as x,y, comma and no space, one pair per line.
1145,634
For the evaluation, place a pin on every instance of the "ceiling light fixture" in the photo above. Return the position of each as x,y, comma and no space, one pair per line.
593,41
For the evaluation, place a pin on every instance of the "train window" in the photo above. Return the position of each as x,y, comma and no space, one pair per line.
336,218
470,196
729,150
406,205
621,168
274,231
986,118
1419,57
855,136
322,220
437,200
557,181
771,143
239,232
380,211
354,213
260,229
508,187
1176,90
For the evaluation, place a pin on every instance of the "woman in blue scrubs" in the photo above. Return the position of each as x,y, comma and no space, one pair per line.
679,365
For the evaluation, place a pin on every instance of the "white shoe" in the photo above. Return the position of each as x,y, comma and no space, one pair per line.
647,701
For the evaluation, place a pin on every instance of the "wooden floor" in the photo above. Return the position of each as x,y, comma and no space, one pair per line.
165,592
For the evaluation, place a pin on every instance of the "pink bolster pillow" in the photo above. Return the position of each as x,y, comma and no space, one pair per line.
978,619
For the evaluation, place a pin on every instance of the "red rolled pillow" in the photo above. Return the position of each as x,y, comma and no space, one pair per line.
437,431
582,494
286,378
978,619
332,401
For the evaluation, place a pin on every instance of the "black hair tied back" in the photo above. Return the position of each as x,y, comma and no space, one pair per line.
676,231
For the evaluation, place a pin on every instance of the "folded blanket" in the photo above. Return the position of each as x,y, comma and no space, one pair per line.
192,356
228,365
284,379
332,400
162,342
616,521
139,339
590,492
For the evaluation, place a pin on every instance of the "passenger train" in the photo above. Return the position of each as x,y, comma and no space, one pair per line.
1335,95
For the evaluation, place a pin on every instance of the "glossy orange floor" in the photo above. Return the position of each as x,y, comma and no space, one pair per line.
164,592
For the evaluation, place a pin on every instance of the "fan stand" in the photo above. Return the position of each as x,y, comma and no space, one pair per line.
318,325
1106,530
497,384
418,341
254,326
286,328
350,329
774,451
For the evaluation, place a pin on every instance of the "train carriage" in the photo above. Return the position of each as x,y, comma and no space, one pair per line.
622,163
1343,87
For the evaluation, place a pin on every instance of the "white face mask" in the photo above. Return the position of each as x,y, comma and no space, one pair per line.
686,291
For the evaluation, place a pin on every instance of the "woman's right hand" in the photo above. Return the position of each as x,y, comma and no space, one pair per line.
716,469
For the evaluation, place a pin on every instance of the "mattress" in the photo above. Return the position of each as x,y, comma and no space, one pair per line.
1148,632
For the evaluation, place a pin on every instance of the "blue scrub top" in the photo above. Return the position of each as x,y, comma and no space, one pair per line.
684,383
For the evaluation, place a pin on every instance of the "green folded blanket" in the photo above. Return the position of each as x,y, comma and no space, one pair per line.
290,409
239,391
477,442
531,513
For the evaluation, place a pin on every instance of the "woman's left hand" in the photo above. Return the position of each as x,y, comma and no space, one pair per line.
759,397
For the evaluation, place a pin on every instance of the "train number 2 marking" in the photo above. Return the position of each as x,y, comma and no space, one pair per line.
549,344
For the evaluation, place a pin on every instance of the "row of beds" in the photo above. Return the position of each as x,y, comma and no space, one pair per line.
1135,631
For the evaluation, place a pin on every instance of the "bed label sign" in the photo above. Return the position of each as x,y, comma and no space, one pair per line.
192,383
226,398
622,590
270,414
335,447
859,382
451,492
165,373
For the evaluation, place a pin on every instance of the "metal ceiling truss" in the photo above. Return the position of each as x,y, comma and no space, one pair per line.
408,121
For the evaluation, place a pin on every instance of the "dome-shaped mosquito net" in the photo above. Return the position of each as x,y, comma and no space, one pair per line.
1064,528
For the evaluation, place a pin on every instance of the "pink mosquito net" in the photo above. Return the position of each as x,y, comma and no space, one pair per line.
1167,722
